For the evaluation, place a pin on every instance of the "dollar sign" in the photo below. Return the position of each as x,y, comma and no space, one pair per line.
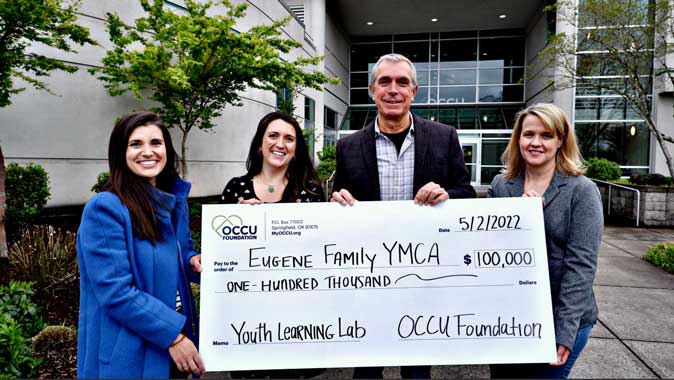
467,260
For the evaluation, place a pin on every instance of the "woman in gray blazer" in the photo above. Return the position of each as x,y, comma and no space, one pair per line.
543,160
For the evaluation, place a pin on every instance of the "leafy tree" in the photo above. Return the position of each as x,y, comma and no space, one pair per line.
24,23
193,63
634,38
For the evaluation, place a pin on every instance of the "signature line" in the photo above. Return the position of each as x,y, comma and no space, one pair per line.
434,278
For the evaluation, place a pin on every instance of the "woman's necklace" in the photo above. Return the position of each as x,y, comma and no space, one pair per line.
271,187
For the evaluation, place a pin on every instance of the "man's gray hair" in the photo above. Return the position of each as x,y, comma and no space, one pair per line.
393,58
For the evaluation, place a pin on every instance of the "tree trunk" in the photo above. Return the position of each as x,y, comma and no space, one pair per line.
3,235
183,155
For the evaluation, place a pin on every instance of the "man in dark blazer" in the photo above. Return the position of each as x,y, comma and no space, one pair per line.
399,156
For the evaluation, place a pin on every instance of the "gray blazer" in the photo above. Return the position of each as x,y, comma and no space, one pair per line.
574,223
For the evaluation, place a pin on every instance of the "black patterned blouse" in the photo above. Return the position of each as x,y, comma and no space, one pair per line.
243,187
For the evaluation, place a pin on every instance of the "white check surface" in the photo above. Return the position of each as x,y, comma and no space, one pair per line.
376,284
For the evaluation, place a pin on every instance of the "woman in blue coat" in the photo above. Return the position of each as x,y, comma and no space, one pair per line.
542,160
137,313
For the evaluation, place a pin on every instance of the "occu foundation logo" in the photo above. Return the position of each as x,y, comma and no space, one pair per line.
232,227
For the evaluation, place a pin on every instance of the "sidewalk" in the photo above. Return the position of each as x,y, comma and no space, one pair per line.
635,334
634,337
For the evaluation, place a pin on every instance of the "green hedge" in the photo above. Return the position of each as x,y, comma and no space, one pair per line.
27,191
603,169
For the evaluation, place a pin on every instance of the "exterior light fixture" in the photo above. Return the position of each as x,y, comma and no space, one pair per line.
370,23
502,16
434,20
633,130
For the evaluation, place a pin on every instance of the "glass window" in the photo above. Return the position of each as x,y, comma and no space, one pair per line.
463,94
467,118
309,121
488,174
425,112
462,34
609,86
492,151
358,118
361,96
509,115
458,54
491,94
447,116
600,64
624,143
365,55
491,118
359,80
501,76
284,99
422,95
500,52
604,109
422,78
330,118
454,77
494,94
411,37
417,52
501,32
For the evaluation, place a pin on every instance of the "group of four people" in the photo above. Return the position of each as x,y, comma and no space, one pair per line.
137,313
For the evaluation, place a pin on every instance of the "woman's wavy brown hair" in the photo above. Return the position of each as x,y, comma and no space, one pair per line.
134,191
300,171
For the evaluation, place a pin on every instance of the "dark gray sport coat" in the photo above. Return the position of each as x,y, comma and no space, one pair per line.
437,158
574,223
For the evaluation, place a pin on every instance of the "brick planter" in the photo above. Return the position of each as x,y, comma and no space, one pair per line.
656,205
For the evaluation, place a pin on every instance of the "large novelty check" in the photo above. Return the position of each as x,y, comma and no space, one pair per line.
376,284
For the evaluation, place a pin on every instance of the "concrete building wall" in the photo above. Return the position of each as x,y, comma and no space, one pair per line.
537,85
539,88
68,134
664,119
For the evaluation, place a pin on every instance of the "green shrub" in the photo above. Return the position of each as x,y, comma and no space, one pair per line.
195,210
48,256
603,169
662,256
328,162
196,238
57,347
101,180
16,304
650,179
27,190
16,359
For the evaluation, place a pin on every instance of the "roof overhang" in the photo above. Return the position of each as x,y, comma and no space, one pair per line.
415,16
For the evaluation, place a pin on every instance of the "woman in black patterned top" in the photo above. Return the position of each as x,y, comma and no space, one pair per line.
279,167
279,170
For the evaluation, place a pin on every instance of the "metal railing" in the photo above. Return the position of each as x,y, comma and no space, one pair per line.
327,187
610,186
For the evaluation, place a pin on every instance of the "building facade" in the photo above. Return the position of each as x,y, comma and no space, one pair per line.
472,59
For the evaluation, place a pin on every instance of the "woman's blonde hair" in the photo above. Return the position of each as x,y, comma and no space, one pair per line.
568,157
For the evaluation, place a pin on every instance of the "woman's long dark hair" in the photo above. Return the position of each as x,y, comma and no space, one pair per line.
300,170
132,189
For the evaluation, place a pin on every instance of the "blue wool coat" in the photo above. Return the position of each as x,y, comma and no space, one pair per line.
128,286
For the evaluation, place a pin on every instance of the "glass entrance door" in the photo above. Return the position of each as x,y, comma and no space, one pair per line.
472,156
